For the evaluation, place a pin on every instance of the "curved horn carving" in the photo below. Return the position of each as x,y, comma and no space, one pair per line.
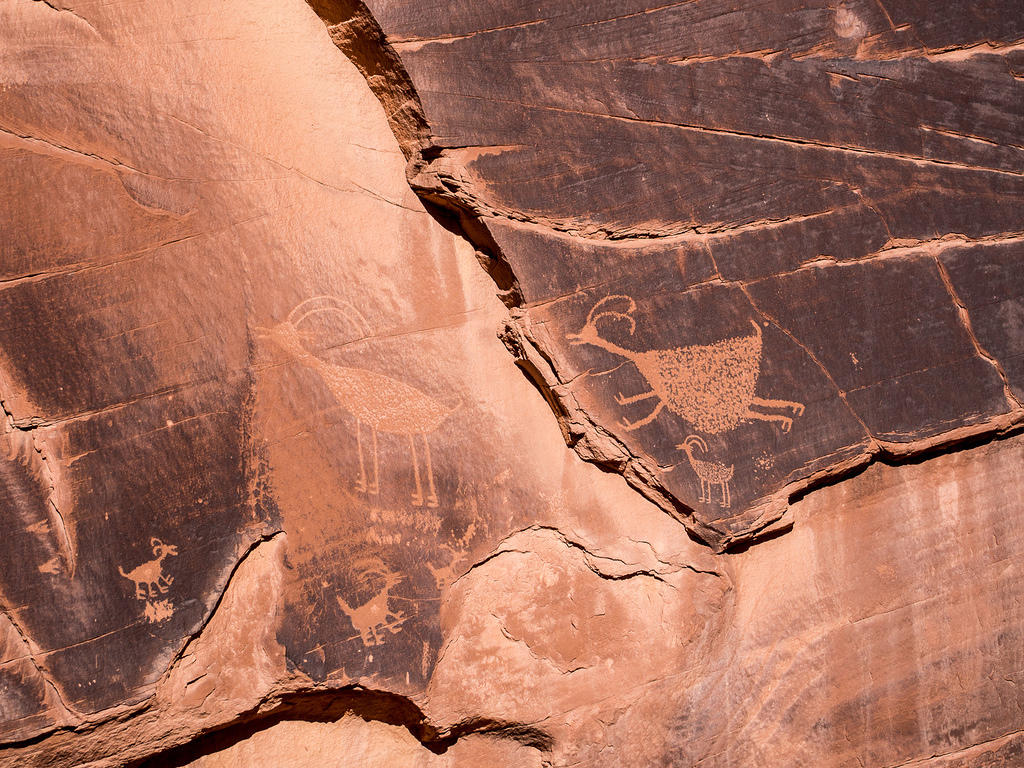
626,314
698,441
326,303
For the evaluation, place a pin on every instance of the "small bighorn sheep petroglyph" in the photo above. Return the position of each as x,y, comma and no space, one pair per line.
149,578
710,472
710,386
373,617
385,404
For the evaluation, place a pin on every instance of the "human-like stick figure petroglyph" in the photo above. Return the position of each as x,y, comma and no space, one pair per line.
710,472
385,404
373,617
149,578
711,386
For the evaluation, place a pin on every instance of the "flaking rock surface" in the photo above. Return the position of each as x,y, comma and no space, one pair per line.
750,244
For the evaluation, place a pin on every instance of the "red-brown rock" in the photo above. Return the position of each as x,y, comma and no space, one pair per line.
277,491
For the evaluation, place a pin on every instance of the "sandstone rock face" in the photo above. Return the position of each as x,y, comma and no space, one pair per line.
729,230
277,491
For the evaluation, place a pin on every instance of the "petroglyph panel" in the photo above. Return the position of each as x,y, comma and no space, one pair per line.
378,474
261,446
783,378
154,430
846,175
721,405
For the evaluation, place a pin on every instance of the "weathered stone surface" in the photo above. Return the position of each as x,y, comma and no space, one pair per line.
158,426
297,744
837,643
716,165
991,292
276,493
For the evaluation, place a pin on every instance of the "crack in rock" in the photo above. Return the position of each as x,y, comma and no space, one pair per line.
440,179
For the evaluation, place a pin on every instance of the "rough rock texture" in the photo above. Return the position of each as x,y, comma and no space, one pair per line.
277,493
706,212
292,744
837,643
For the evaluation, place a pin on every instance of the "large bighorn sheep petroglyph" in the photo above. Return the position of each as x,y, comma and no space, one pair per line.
149,577
710,386
385,404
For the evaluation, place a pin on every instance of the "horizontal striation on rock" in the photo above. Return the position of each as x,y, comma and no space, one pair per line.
804,167
275,489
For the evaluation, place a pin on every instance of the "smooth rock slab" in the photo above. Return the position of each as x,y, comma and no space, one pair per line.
645,150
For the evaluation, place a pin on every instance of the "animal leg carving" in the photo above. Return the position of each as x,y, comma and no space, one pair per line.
365,633
150,581
361,482
432,497
375,488
397,619
635,398
417,497
797,408
726,496
785,421
631,425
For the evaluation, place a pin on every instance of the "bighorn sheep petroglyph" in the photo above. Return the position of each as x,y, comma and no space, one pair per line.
710,472
373,617
710,386
149,577
385,404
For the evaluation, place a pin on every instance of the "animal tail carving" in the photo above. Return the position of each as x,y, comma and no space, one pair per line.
121,571
757,327
347,609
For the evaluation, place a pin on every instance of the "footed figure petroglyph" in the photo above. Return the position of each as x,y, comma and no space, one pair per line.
374,617
711,386
711,473
381,402
149,578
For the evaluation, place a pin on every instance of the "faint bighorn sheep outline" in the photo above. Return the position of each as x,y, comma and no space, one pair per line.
710,386
709,472
149,577
385,404
374,616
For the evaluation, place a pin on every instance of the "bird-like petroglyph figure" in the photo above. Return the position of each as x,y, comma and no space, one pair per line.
711,473
374,617
711,386
381,402
149,578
